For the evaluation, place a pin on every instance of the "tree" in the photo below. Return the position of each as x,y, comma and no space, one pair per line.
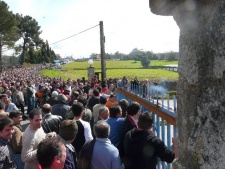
8,29
145,62
29,31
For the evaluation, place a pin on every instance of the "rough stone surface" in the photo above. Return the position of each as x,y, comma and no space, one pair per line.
201,85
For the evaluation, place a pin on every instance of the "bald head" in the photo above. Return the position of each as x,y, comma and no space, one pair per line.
46,108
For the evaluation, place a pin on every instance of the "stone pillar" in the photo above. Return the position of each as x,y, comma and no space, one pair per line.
201,84
91,72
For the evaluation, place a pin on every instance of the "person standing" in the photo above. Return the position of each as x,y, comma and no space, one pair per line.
53,100
61,107
130,122
112,101
93,100
16,141
103,113
84,129
6,154
96,108
67,133
142,149
9,106
18,99
50,123
51,154
32,136
101,154
115,122
30,91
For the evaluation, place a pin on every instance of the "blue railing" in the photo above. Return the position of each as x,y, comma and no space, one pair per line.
162,108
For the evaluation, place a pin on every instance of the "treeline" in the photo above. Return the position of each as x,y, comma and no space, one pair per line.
138,54
25,29
144,57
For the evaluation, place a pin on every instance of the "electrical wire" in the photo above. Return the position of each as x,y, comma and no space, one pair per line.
74,34
64,38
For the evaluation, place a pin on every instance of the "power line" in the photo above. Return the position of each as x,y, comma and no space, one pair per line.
75,34
62,39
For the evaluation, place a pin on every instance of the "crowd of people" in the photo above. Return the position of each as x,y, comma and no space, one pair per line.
74,124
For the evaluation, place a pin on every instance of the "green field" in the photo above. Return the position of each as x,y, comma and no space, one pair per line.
115,69
115,64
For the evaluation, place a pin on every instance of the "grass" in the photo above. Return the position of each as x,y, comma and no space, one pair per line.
115,64
115,69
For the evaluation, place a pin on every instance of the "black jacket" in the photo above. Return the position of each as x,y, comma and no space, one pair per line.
142,150
50,123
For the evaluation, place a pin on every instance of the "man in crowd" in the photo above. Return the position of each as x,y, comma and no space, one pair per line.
96,108
16,141
61,107
53,100
84,129
103,113
112,101
67,133
111,89
124,104
130,122
142,148
115,122
51,154
18,99
50,123
6,154
32,136
30,90
105,155
93,100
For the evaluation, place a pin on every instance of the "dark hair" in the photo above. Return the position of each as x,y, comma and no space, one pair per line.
2,106
133,108
124,104
101,129
6,121
96,92
3,95
114,110
82,100
33,113
99,89
76,94
145,121
15,113
47,150
77,108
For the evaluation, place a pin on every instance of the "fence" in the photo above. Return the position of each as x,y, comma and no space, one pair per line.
159,105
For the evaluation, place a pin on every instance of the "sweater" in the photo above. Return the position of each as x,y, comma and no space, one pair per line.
30,140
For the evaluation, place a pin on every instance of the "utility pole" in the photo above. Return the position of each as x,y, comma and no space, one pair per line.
102,44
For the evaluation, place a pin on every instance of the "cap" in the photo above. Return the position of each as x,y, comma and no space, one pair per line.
104,89
102,99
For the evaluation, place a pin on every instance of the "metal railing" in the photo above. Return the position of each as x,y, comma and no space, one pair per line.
162,108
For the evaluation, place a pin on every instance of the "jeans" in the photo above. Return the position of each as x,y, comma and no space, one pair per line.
17,158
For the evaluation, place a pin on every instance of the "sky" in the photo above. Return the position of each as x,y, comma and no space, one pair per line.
128,24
